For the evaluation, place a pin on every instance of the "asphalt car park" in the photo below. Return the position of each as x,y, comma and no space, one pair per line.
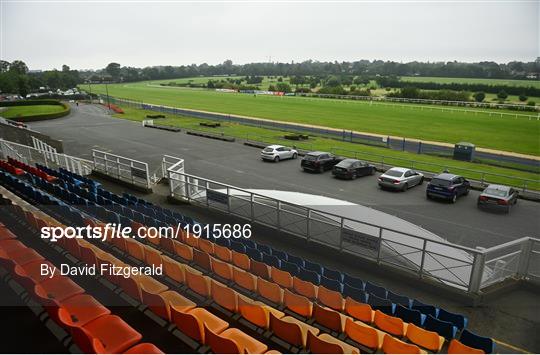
235,164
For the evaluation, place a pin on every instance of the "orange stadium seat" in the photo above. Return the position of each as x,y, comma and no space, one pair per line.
305,288
80,310
424,338
222,269
457,347
197,282
202,259
233,341
206,246
282,278
389,324
105,335
326,344
270,291
135,249
240,260
173,269
224,296
193,322
329,298
360,311
298,304
329,318
291,330
364,334
260,269
184,251
223,253
160,302
392,345
152,256
257,312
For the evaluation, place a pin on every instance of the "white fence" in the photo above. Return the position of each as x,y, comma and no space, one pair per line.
454,265
125,169
45,157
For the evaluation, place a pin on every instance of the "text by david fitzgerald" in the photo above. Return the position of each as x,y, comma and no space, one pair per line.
103,270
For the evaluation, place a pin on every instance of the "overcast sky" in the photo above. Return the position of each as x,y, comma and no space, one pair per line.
91,34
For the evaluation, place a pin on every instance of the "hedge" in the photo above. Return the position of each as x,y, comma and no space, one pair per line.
47,116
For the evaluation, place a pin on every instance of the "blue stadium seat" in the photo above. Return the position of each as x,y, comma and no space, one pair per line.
399,299
248,243
410,315
425,308
382,304
332,274
376,290
331,284
310,276
280,254
271,260
295,260
291,268
264,248
458,320
237,246
224,242
445,329
313,267
354,282
254,254
476,341
355,293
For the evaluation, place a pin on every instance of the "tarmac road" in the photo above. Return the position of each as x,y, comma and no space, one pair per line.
88,127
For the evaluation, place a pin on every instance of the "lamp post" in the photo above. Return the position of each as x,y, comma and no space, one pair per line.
90,90
108,101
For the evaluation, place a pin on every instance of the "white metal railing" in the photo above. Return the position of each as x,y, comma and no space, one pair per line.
31,155
122,168
458,266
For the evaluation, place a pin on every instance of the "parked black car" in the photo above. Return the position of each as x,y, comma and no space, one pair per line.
498,197
447,186
352,168
319,161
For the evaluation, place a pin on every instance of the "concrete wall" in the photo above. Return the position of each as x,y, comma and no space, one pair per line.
24,136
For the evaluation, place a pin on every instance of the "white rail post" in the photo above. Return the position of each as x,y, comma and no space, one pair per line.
524,257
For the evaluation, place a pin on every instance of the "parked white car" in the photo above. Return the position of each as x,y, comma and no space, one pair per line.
278,152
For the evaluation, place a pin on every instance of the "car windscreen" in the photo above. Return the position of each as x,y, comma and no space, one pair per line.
441,182
495,192
310,157
346,163
268,150
394,173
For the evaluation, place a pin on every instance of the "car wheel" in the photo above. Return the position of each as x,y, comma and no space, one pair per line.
405,187
276,159
428,196
515,202
353,176
454,198
421,181
294,156
507,210
321,169
466,192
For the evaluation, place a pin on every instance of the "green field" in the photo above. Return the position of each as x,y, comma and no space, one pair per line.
487,129
509,82
423,162
18,111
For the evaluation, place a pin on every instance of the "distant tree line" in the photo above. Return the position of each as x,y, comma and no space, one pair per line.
16,79
310,68
395,82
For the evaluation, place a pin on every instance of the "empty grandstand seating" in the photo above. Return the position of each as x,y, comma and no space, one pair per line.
314,297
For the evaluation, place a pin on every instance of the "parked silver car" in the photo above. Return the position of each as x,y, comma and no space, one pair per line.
498,197
400,179
278,152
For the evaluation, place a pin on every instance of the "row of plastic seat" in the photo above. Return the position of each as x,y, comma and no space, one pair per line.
326,272
10,168
30,169
433,324
70,177
329,298
92,326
